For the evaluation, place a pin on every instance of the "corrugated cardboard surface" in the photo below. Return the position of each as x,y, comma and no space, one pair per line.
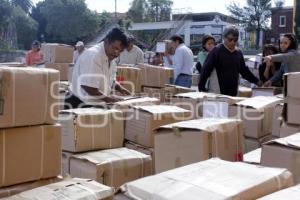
288,193
145,119
131,78
29,153
252,143
266,91
86,129
155,76
253,157
187,142
277,120
291,82
116,166
212,179
284,153
244,92
63,68
292,110
65,162
158,93
16,189
57,53
143,101
288,129
75,189
27,96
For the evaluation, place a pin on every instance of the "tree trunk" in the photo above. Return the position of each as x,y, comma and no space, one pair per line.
257,38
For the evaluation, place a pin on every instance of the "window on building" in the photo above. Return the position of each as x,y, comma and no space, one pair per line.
282,21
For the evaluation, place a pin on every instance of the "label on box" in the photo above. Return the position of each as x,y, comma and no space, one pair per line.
215,109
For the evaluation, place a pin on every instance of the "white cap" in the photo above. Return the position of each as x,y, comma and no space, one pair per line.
79,44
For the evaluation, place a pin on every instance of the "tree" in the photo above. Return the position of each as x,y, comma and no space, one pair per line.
279,3
159,10
138,11
254,16
65,20
6,12
26,5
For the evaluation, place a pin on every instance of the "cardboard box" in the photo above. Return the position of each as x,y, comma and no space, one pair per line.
16,189
65,163
57,53
277,120
211,179
145,119
266,91
116,166
291,82
143,101
158,93
288,193
86,129
29,153
75,189
257,113
253,157
195,79
244,92
130,78
63,68
291,111
283,153
187,142
288,129
13,64
194,101
252,144
155,76
28,96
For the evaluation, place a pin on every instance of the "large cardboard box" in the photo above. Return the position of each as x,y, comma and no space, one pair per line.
16,189
277,120
266,91
13,64
145,119
143,101
284,153
28,96
244,92
130,78
288,129
115,166
257,113
86,129
63,68
252,143
65,162
29,153
292,110
288,193
179,89
211,179
253,157
291,82
75,189
57,53
187,142
155,76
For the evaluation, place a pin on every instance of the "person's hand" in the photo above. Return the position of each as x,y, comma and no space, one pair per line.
112,99
125,92
259,83
268,83
267,59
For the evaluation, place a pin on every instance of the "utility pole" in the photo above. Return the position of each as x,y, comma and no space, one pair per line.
116,9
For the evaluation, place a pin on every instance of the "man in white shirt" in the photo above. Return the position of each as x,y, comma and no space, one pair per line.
133,55
79,50
95,71
182,62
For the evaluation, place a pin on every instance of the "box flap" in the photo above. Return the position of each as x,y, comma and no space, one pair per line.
136,101
253,156
88,111
208,124
292,141
288,193
162,109
260,102
110,155
196,95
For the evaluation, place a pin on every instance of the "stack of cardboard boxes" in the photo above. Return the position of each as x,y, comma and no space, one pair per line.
59,57
30,141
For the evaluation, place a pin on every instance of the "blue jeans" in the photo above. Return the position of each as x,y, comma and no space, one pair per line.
184,80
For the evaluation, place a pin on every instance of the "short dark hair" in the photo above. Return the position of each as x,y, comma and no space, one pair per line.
117,34
131,39
36,43
178,38
231,30
270,47
293,39
205,39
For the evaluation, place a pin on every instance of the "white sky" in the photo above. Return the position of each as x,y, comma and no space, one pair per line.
195,6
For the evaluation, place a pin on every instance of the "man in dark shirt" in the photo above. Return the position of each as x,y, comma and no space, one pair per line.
226,62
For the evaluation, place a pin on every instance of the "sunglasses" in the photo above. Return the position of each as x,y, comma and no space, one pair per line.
235,39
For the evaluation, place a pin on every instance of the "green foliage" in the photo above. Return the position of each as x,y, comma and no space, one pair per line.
6,12
26,5
65,20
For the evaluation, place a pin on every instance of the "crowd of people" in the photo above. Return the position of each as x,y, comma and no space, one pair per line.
219,65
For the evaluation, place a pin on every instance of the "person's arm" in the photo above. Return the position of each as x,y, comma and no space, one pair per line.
267,71
121,89
207,68
177,62
246,73
284,57
276,77
98,94
27,59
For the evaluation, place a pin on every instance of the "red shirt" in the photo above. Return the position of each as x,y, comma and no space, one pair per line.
34,57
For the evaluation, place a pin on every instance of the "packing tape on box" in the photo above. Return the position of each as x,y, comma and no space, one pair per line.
42,152
3,157
110,124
